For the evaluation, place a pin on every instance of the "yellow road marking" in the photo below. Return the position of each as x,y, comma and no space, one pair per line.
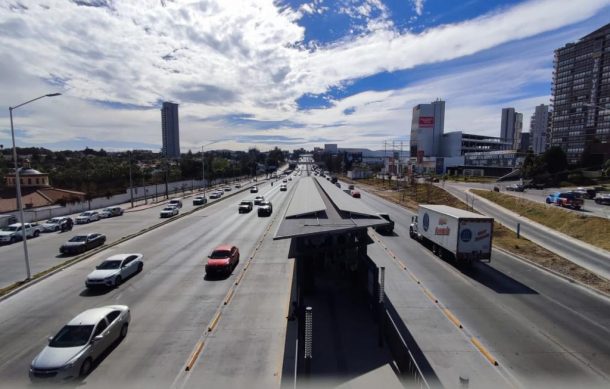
194,356
484,351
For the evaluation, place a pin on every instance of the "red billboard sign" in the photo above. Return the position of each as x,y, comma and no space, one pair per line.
426,121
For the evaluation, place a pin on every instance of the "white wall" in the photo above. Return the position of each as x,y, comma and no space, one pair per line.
154,192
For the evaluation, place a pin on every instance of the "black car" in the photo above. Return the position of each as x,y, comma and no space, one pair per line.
265,209
199,200
81,243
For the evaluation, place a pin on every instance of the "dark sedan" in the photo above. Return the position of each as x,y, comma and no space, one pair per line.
265,209
81,243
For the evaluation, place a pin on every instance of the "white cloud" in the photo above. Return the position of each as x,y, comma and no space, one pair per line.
220,58
419,6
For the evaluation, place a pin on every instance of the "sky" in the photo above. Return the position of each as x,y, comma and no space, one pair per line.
285,73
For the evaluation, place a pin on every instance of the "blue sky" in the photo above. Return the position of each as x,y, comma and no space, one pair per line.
263,73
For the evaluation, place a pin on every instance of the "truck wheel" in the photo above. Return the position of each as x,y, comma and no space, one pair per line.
12,240
36,234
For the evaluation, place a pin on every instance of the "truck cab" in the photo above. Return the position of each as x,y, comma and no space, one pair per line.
413,231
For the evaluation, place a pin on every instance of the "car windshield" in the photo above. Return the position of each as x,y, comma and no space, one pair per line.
108,265
218,254
53,221
79,238
72,336
12,228
85,214
168,208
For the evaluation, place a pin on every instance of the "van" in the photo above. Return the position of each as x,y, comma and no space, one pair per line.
6,220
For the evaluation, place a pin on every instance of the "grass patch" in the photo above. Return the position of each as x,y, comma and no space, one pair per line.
590,229
503,237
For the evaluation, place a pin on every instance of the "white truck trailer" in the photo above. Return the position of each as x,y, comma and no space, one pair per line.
453,233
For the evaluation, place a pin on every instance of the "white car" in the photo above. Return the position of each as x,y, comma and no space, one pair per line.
114,270
72,352
169,211
14,232
87,217
53,224
216,195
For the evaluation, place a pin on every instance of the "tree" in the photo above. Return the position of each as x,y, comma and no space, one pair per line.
556,160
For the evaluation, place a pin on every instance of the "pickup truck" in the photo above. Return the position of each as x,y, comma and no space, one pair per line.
14,232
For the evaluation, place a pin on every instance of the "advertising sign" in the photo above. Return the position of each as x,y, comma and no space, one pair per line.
426,121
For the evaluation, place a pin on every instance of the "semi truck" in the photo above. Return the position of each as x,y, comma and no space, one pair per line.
453,233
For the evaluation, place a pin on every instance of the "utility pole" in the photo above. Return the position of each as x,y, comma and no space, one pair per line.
130,181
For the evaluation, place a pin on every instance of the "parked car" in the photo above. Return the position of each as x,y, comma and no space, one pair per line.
586,193
237,185
81,243
245,206
388,229
169,211
114,270
72,352
227,188
254,189
175,202
355,194
602,198
350,187
14,232
53,224
283,188
515,188
265,209
216,194
258,200
111,212
338,185
199,200
87,217
223,259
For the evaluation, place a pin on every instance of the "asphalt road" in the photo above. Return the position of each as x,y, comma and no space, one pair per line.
593,259
44,250
543,330
539,195
170,301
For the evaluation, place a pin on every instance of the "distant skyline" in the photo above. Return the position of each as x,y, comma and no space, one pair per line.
265,73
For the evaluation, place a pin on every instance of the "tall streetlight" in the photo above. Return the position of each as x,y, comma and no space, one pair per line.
24,236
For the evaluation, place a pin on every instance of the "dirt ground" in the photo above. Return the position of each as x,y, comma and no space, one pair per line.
409,197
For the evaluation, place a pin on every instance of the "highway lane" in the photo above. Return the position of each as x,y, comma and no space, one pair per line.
44,250
593,259
170,300
542,329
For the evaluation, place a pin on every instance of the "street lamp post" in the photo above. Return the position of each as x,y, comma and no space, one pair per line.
24,236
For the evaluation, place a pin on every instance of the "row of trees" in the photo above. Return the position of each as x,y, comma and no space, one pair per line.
551,168
99,173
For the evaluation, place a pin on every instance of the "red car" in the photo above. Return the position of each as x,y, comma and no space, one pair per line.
223,259
355,194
